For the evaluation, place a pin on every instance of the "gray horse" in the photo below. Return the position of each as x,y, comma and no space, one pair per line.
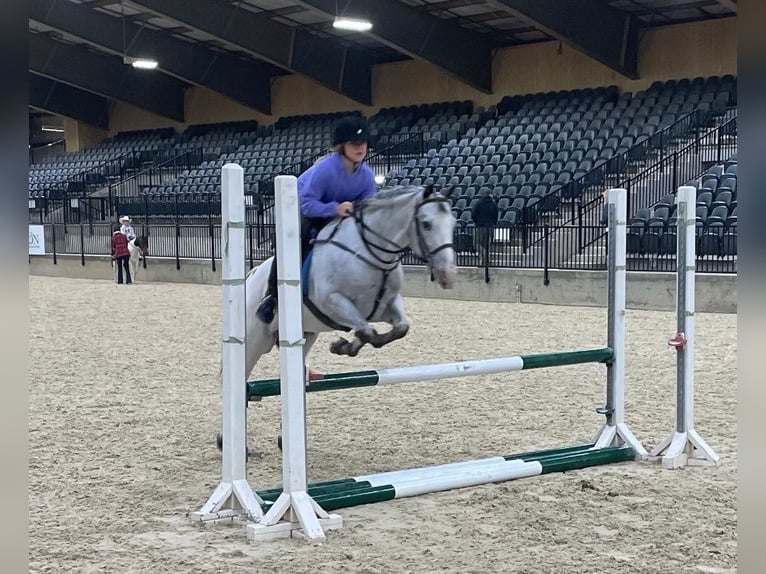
356,275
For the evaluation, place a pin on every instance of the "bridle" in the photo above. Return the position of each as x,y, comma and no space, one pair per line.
371,240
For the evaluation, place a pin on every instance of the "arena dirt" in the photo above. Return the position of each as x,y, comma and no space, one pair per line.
124,408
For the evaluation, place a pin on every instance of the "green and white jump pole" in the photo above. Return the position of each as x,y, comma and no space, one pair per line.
685,446
366,489
423,373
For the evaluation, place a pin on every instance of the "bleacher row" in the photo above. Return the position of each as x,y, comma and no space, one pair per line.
652,230
523,149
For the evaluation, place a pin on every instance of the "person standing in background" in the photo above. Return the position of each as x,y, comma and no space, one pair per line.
484,215
121,254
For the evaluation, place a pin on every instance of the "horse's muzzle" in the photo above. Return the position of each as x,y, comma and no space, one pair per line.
445,275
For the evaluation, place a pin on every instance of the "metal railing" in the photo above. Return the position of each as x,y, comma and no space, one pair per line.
509,247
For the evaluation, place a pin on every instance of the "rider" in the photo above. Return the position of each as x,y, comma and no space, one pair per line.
127,228
327,190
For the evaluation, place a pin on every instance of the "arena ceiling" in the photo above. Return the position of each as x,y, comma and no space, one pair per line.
78,48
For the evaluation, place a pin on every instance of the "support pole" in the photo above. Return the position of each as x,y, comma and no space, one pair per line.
615,431
295,513
685,446
233,497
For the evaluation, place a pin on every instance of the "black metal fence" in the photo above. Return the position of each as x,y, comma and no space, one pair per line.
526,246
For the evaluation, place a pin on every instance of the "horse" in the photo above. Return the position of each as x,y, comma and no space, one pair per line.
354,274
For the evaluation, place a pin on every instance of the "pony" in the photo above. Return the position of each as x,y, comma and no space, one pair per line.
355,274
139,249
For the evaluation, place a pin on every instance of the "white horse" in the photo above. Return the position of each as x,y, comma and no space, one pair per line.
356,275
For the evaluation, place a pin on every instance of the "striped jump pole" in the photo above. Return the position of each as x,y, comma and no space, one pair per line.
685,446
422,373
366,489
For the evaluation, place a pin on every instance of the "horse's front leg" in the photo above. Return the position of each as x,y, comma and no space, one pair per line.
399,324
345,312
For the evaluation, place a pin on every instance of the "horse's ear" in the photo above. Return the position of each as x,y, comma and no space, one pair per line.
447,191
428,191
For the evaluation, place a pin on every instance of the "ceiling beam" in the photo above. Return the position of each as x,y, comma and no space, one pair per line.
458,51
604,33
729,4
107,76
245,81
346,71
63,100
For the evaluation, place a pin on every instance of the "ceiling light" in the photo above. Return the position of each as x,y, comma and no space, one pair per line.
52,129
141,63
354,24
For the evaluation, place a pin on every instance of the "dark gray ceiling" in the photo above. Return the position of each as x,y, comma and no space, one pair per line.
237,47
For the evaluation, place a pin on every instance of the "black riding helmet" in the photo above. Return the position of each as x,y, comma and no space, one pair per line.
350,129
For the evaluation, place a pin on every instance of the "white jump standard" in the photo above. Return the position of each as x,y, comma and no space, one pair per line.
233,498
294,513
685,446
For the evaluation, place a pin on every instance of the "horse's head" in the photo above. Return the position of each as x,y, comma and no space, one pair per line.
432,233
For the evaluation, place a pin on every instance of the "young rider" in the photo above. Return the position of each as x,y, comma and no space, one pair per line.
326,190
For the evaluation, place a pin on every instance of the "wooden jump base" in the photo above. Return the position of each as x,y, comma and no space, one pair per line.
367,489
271,387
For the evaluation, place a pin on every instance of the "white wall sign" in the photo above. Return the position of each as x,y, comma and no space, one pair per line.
37,240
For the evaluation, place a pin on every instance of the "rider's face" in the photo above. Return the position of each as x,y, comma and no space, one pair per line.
355,151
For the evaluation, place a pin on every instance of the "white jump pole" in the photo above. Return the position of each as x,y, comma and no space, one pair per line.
615,431
233,497
685,446
294,513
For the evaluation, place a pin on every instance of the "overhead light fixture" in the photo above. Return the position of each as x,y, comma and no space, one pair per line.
141,63
354,24
52,129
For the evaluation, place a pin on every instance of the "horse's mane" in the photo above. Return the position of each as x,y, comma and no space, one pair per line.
388,194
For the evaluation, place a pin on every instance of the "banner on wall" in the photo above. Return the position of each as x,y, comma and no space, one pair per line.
36,240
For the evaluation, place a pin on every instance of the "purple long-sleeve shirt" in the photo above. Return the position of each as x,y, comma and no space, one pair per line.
327,183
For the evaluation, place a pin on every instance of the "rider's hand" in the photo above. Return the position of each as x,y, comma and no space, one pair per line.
344,209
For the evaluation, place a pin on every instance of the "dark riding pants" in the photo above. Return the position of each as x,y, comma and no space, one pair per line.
123,263
310,228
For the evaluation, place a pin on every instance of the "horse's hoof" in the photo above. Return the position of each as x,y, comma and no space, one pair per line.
339,347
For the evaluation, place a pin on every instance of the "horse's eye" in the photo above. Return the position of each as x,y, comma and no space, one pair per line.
427,225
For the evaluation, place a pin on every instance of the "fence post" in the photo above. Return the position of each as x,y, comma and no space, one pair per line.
546,279
674,185
210,230
579,228
82,245
250,240
53,236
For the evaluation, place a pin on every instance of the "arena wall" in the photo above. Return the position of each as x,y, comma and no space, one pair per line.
647,291
687,50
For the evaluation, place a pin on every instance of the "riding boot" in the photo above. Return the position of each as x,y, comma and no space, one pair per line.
268,305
